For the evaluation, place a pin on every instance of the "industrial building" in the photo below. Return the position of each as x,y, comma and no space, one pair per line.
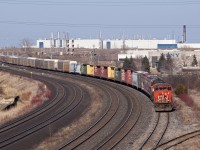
105,44
65,42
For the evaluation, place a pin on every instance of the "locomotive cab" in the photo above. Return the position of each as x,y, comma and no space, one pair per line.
162,97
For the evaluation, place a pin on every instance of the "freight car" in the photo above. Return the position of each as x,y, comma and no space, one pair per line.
158,91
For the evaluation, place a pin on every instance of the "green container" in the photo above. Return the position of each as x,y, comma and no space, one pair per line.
117,74
83,69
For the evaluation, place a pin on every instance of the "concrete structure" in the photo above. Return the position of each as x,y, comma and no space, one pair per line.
65,42
87,43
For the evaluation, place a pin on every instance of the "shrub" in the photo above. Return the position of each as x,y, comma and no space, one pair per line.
25,96
180,89
36,101
187,99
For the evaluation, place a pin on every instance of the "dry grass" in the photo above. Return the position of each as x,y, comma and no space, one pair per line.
25,88
188,114
67,132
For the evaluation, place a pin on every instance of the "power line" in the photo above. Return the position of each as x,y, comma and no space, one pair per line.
31,23
104,3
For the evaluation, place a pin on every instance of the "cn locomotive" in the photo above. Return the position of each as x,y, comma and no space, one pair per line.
158,91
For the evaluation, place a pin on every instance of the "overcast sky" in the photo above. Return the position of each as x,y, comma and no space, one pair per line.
36,19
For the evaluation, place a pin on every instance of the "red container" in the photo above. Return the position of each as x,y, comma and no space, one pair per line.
97,71
128,77
104,72
123,75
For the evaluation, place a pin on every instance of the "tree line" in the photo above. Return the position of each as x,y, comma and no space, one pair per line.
164,64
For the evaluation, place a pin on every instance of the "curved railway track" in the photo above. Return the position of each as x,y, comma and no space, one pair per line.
160,128
123,111
31,123
118,133
178,140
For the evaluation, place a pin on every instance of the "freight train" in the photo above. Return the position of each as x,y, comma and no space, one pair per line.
158,91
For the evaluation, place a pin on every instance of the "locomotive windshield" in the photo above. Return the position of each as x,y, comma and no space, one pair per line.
162,87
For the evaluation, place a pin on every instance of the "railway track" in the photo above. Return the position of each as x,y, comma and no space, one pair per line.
117,134
129,121
31,123
160,128
122,113
178,140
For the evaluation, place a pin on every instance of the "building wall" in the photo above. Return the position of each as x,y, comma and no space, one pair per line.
116,44
46,43
87,43
147,44
188,45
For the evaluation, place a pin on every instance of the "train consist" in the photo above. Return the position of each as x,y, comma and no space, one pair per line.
159,91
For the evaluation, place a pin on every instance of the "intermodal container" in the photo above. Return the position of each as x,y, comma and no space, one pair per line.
46,63
66,66
31,61
111,73
60,65
123,76
128,77
25,61
137,78
51,64
39,63
118,74
72,65
104,72
97,71
77,68
90,70
83,69
146,81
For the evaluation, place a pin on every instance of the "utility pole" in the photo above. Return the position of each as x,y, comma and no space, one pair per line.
92,57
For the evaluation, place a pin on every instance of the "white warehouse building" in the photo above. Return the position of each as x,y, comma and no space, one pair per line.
104,44
112,43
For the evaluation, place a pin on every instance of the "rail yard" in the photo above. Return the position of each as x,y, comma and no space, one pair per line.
120,124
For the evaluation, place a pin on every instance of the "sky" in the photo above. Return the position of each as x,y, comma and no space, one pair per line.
129,19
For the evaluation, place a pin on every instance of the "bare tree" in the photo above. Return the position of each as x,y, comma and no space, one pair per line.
26,43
